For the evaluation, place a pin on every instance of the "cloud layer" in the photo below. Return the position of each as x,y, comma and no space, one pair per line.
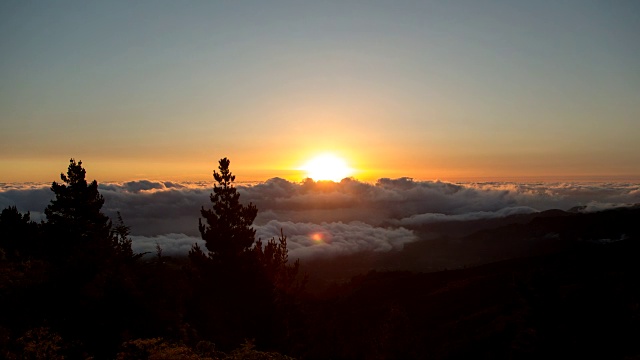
336,238
345,217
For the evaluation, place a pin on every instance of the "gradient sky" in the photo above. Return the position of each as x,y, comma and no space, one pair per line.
426,89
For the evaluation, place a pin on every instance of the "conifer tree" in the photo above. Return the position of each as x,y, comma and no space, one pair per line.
91,264
121,240
274,259
227,232
228,279
76,225
238,272
76,210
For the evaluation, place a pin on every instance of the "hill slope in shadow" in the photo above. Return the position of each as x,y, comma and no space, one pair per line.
580,301
463,244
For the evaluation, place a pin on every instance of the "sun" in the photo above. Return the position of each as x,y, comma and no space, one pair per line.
327,167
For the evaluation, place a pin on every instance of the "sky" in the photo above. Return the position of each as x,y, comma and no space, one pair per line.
446,90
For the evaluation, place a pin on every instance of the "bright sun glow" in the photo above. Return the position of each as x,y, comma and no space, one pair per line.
327,167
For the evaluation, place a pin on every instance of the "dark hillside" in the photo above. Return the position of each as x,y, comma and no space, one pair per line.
581,302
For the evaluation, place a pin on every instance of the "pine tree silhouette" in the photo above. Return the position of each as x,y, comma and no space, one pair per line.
76,227
74,217
228,279
228,232
77,205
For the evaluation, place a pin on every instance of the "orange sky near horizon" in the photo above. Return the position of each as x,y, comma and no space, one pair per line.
108,170
457,91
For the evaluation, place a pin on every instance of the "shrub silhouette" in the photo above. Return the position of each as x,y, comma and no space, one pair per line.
17,234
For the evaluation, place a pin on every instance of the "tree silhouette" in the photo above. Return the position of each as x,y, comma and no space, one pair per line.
121,240
229,281
92,263
75,216
274,258
77,203
76,227
17,233
228,232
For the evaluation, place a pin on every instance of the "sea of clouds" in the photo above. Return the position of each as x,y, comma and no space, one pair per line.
326,218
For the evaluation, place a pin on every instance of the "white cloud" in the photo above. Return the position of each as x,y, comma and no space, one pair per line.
307,239
352,214
172,244
428,218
